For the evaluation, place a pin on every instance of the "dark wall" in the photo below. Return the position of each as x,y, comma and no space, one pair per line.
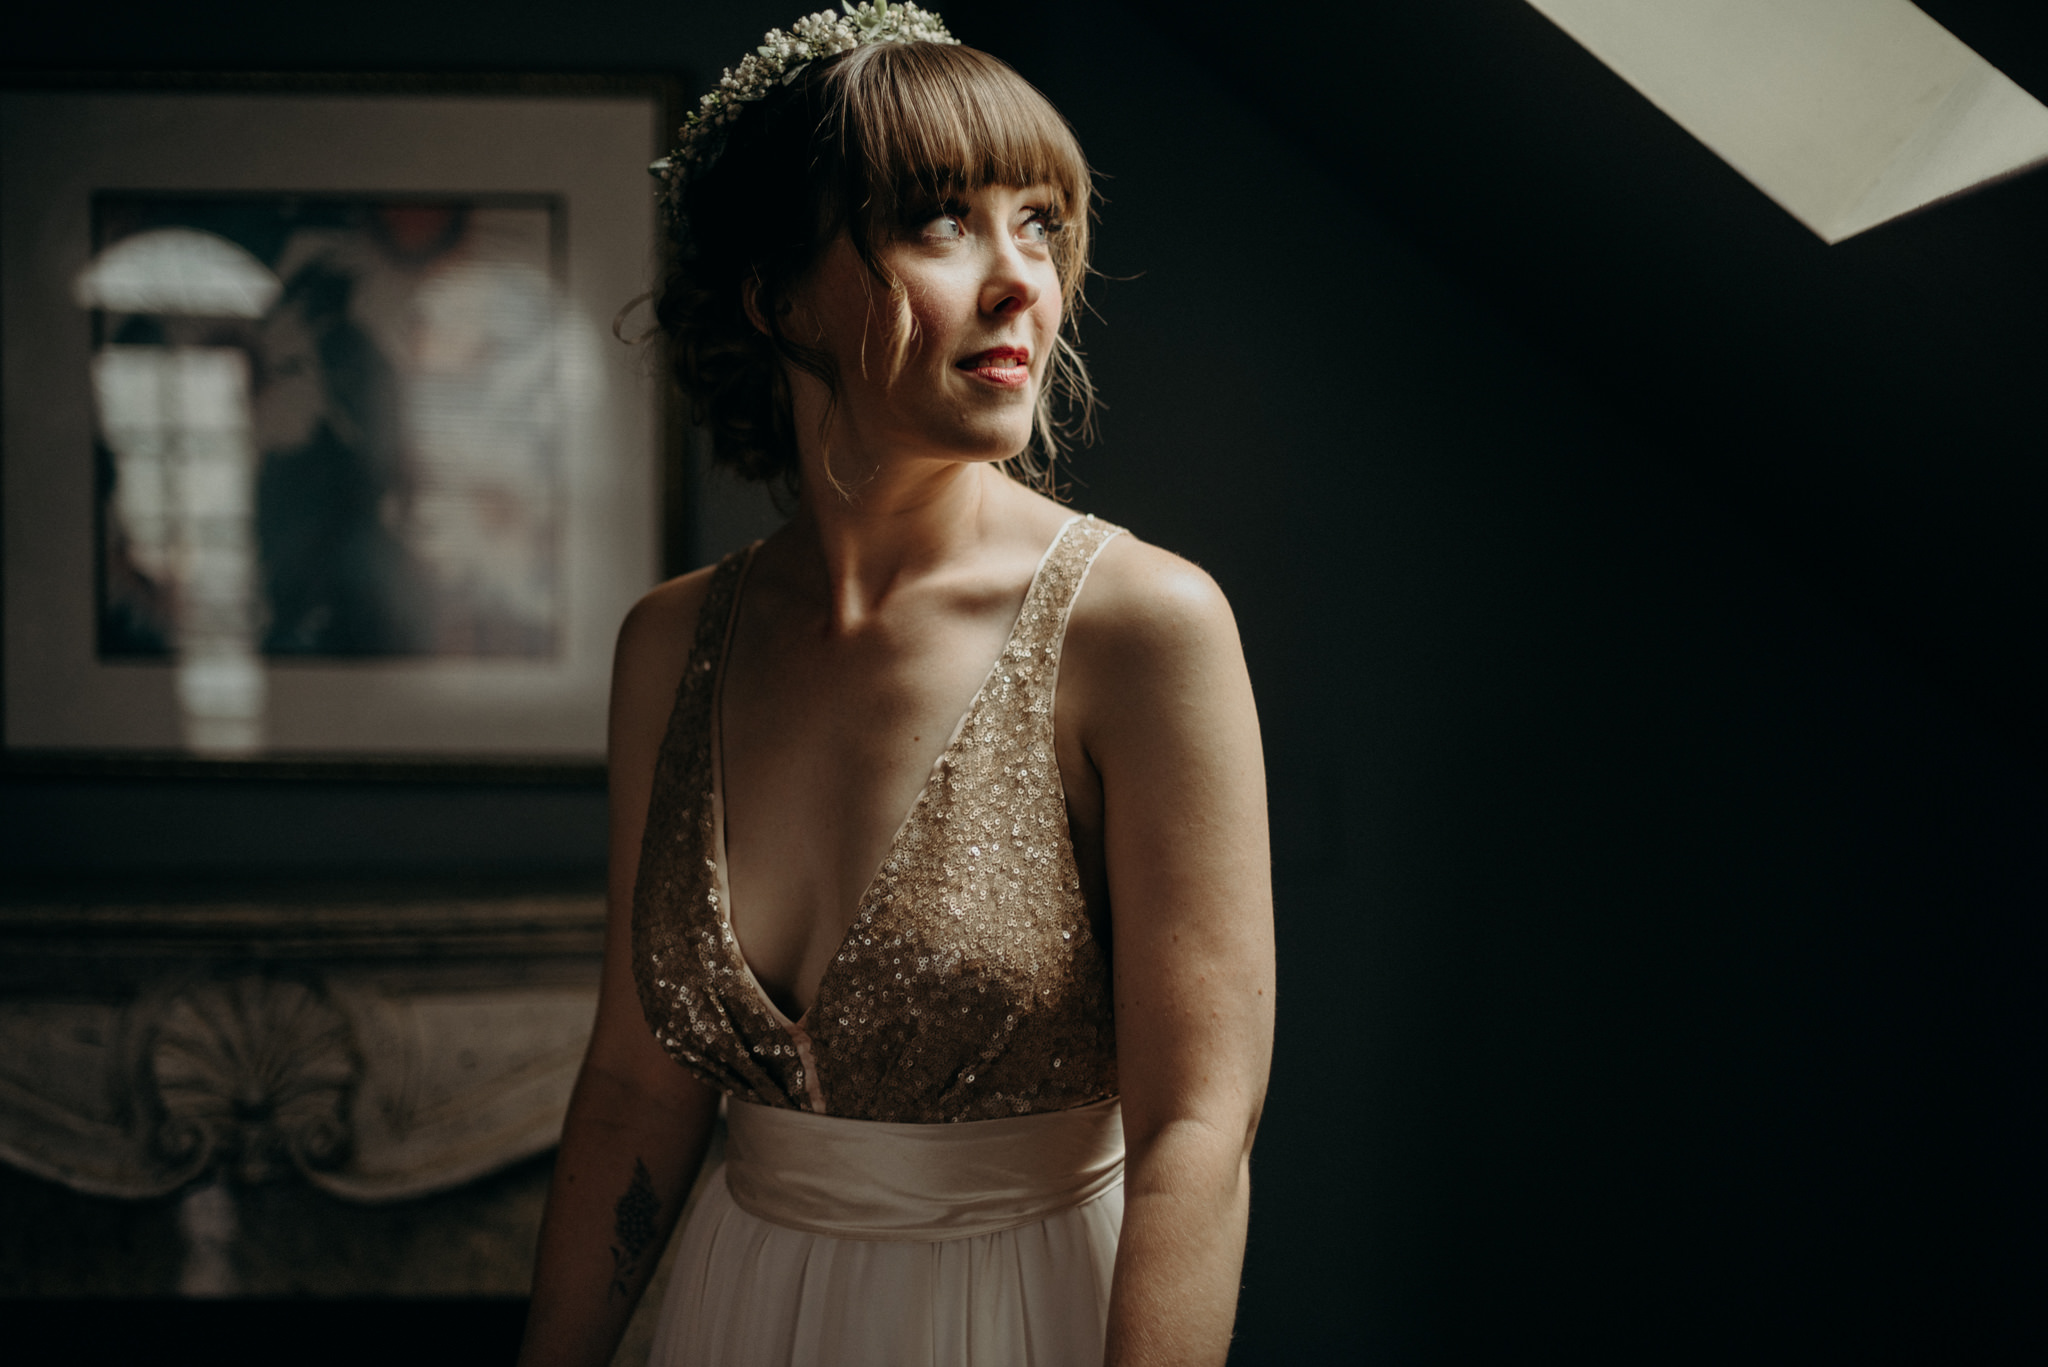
1642,610
1666,591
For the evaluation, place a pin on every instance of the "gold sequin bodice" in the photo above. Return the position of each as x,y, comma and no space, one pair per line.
973,982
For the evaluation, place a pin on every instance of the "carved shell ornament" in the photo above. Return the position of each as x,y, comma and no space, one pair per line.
255,1074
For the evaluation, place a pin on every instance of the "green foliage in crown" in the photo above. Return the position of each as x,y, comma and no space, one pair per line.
779,60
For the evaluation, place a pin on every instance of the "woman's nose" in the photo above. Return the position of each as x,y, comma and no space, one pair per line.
1010,285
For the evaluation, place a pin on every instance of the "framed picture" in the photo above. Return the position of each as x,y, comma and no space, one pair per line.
319,447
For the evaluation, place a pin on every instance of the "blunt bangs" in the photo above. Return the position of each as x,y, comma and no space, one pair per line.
919,121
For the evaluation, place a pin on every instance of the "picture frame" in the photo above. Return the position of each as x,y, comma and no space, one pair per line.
445,477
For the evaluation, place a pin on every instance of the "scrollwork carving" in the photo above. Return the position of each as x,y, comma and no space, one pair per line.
255,1074
385,1050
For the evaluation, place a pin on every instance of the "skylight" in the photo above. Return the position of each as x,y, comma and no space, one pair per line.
1847,113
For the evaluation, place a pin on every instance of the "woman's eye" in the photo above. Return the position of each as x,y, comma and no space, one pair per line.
946,227
1039,229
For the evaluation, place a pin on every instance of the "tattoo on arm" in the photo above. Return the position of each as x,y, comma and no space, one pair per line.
633,1228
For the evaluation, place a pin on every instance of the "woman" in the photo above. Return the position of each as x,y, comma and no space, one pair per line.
881,235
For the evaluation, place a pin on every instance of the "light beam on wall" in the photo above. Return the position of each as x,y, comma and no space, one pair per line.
1847,113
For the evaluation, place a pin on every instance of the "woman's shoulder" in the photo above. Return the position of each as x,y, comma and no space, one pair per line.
660,629
1137,591
1146,620
1152,664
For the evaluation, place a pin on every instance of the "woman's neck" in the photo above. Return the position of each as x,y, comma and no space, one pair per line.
856,545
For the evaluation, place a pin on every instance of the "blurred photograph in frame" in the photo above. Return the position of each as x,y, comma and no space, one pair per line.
318,444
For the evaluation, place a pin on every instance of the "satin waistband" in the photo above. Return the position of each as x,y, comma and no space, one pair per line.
868,1179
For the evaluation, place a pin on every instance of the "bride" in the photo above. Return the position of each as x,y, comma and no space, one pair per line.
978,955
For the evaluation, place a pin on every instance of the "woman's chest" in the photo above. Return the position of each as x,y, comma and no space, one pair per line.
825,746
963,970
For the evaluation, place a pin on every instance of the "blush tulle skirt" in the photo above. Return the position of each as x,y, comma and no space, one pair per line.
824,1242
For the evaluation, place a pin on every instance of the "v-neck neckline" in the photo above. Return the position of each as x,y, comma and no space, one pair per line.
860,905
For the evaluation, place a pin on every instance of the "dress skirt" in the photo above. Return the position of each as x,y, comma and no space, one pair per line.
824,1242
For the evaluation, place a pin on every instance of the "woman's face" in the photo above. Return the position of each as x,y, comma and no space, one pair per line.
984,304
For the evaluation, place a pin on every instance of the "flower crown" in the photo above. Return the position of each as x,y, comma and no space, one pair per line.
779,60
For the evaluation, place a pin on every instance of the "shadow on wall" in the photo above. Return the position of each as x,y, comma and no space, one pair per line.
275,1239
426,1331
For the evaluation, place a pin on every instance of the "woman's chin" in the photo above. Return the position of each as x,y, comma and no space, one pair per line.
993,455
992,442
979,448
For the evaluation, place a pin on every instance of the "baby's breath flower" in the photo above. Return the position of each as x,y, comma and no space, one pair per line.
779,59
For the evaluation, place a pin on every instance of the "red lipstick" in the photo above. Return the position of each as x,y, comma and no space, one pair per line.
1006,366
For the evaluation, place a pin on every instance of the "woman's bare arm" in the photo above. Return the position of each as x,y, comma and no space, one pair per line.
638,1124
1169,723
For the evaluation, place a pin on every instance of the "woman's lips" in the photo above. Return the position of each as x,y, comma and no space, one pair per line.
1006,367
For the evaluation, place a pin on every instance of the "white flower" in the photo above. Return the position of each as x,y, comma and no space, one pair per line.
779,59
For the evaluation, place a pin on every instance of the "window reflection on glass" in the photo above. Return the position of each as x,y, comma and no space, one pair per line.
177,421
328,429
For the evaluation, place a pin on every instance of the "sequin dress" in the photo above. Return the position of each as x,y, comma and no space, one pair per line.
973,985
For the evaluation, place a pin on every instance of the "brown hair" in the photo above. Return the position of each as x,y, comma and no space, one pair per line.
858,143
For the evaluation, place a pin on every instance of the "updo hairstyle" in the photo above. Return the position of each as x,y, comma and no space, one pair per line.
869,142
